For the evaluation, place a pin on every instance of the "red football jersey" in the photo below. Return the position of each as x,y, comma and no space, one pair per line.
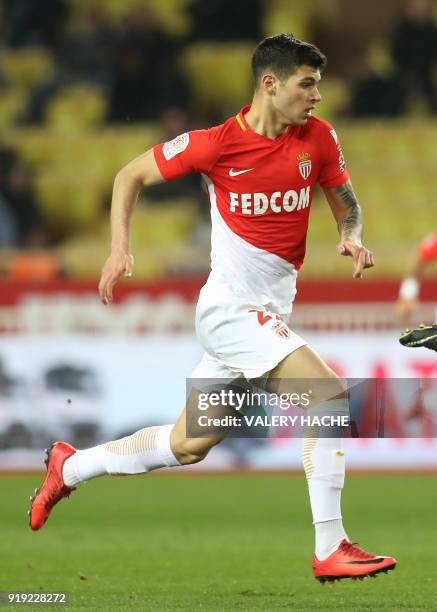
260,191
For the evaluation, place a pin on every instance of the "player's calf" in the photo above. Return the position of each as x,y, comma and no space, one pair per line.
191,450
148,449
145,450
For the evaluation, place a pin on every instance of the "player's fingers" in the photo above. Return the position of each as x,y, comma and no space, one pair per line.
129,266
104,295
108,290
108,294
102,288
369,262
359,261
105,288
342,250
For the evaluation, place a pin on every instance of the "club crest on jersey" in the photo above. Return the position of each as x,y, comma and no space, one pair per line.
304,165
281,329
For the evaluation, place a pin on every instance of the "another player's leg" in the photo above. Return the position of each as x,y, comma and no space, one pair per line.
148,449
324,463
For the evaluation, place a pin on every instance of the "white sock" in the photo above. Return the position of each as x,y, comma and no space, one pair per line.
146,450
324,463
329,535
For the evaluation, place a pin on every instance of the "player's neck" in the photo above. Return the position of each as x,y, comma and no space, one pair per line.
264,120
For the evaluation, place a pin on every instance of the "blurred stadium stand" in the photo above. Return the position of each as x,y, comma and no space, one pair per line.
168,306
75,153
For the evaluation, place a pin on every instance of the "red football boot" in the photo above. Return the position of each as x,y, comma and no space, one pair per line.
350,561
53,488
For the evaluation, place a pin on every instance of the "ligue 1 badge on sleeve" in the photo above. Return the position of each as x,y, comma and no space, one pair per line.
175,146
304,165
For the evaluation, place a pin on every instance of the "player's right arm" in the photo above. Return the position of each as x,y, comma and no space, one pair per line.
140,172
195,151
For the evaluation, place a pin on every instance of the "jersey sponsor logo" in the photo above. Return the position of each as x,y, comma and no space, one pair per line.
233,172
260,203
175,146
304,165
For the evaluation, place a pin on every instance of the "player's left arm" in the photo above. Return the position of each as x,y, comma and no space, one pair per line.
347,212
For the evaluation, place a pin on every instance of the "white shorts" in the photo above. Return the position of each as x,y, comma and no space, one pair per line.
240,339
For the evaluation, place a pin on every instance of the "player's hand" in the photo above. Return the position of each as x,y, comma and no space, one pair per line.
120,263
405,309
362,258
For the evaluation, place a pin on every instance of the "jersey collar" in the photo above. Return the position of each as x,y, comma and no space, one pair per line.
245,127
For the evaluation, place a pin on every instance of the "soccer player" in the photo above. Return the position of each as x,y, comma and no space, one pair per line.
409,290
424,335
260,168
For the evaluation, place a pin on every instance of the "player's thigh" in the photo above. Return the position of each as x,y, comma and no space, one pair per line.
183,437
304,370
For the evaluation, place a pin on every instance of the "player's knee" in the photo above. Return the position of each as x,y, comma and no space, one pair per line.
188,458
188,451
327,389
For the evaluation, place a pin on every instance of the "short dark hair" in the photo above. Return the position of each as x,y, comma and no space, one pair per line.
283,54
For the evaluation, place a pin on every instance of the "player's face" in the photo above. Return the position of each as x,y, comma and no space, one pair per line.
297,96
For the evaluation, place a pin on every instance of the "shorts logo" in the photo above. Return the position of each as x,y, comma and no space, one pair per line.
279,327
175,146
304,165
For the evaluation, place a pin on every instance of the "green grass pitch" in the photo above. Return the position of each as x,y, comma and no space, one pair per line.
217,542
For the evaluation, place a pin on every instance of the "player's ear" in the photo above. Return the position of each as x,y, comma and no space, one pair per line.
268,82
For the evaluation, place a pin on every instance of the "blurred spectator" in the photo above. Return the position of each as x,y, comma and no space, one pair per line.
374,94
146,76
85,55
137,65
226,20
34,22
20,218
415,50
35,109
87,50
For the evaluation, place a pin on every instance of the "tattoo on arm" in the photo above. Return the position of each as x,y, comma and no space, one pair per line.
350,226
